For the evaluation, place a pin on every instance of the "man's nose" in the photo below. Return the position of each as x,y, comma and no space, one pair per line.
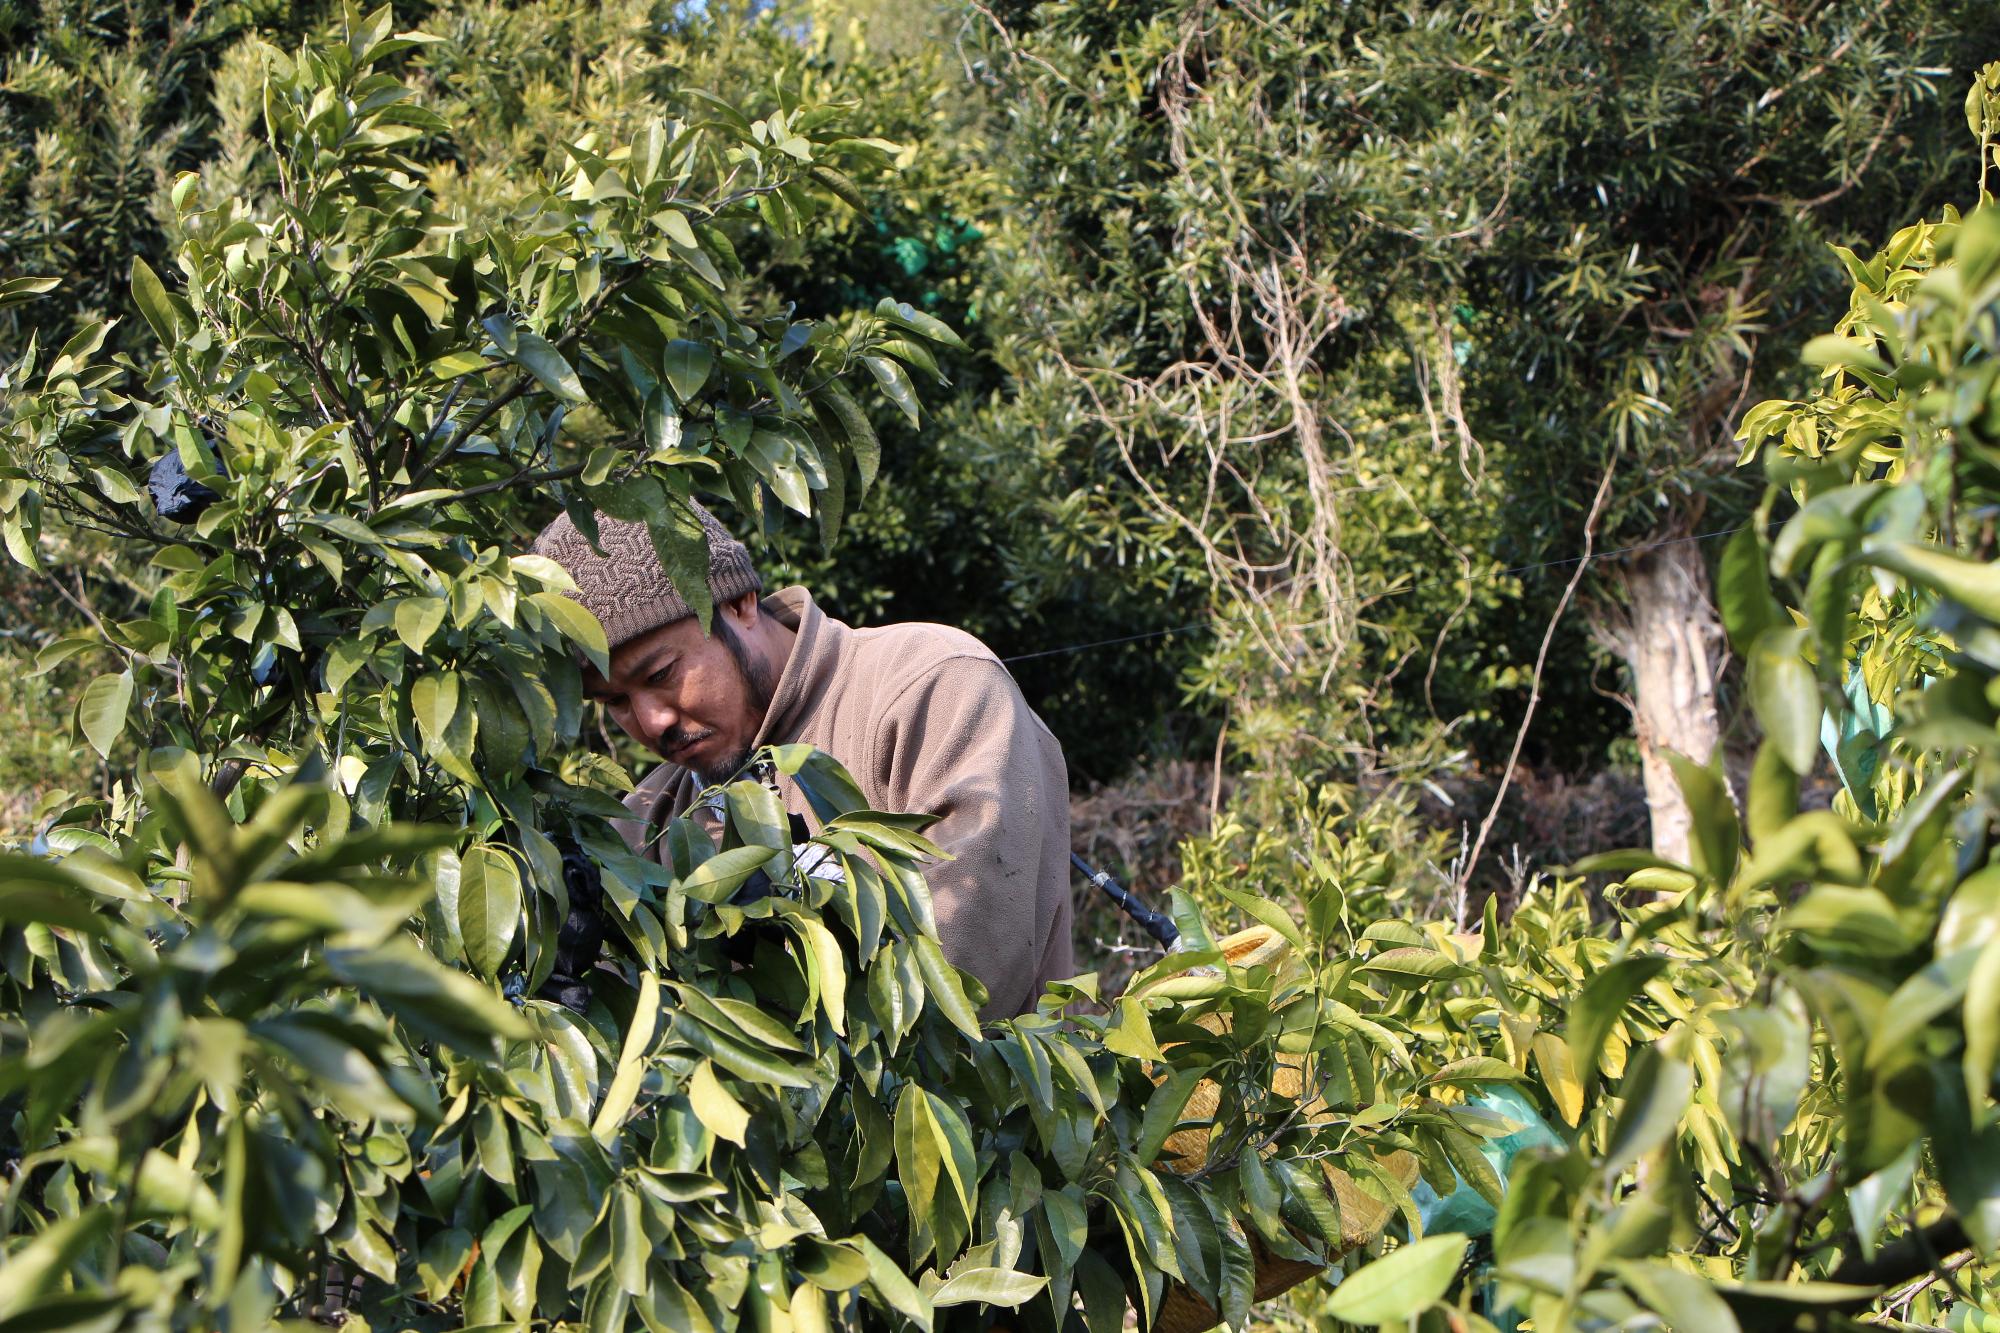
653,717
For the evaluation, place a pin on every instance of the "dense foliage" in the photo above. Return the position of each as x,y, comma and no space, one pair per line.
275,1038
291,1019
1339,312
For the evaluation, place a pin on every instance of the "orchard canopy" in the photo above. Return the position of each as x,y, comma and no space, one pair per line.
1498,504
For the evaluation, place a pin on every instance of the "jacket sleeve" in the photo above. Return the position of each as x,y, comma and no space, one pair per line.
653,802
962,744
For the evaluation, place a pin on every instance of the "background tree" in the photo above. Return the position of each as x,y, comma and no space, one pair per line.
1348,297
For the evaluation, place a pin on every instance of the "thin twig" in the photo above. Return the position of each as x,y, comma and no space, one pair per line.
500,484
1900,1298
1541,661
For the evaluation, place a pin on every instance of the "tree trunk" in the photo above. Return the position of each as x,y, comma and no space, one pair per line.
1671,641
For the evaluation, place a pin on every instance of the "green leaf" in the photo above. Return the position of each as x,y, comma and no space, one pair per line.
1470,1164
1689,1303
629,1242
1982,1025
907,315
1936,988
829,967
1413,967
663,423
1838,350
1656,1089
988,1286
686,366
1785,694
1477,1069
682,546
715,1107
893,1285
941,982
675,224
13,291
115,485
1877,1196
840,411
919,1151
577,624
895,383
433,701
1622,861
46,1262
1603,1000
1715,836
101,713
417,618
1973,584
1855,920
1743,590
539,357
624,1088
489,906
751,1064
49,905
1773,797
721,875
1132,1034
436,1001
150,295
339,1069
828,1266
1163,1112
1401,1284
1267,912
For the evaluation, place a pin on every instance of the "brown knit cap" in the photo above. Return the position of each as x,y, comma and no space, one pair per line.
625,587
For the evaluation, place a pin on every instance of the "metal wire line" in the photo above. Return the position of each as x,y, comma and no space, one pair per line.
1410,587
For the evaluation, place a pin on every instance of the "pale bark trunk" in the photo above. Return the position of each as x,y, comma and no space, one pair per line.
1671,640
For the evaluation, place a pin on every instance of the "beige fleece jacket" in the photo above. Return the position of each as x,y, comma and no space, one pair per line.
928,721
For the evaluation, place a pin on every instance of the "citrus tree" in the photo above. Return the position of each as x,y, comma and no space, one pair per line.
347,999
1772,1071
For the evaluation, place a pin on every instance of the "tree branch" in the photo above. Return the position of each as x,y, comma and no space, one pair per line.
525,381
1535,687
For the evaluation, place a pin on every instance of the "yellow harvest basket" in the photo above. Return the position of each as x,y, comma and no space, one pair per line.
1362,1215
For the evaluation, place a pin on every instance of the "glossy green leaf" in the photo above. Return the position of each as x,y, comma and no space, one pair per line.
1401,1284
895,384
417,619
150,295
722,1113
102,711
489,906
686,366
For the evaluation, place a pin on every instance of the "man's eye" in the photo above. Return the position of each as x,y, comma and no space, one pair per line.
660,677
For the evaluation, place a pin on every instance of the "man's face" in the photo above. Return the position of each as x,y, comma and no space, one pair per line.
693,699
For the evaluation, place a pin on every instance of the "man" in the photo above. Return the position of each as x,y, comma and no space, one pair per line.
925,718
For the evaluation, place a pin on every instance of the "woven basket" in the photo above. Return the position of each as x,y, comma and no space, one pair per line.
1362,1215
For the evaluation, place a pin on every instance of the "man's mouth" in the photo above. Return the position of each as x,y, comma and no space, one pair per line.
677,753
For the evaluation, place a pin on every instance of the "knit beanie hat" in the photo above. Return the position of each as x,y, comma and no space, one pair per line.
625,587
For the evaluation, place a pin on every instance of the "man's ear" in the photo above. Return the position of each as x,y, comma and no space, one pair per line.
743,611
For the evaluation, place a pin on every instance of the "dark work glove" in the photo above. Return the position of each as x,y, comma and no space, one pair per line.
582,935
177,497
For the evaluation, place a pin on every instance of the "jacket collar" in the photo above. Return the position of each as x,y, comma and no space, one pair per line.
808,670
